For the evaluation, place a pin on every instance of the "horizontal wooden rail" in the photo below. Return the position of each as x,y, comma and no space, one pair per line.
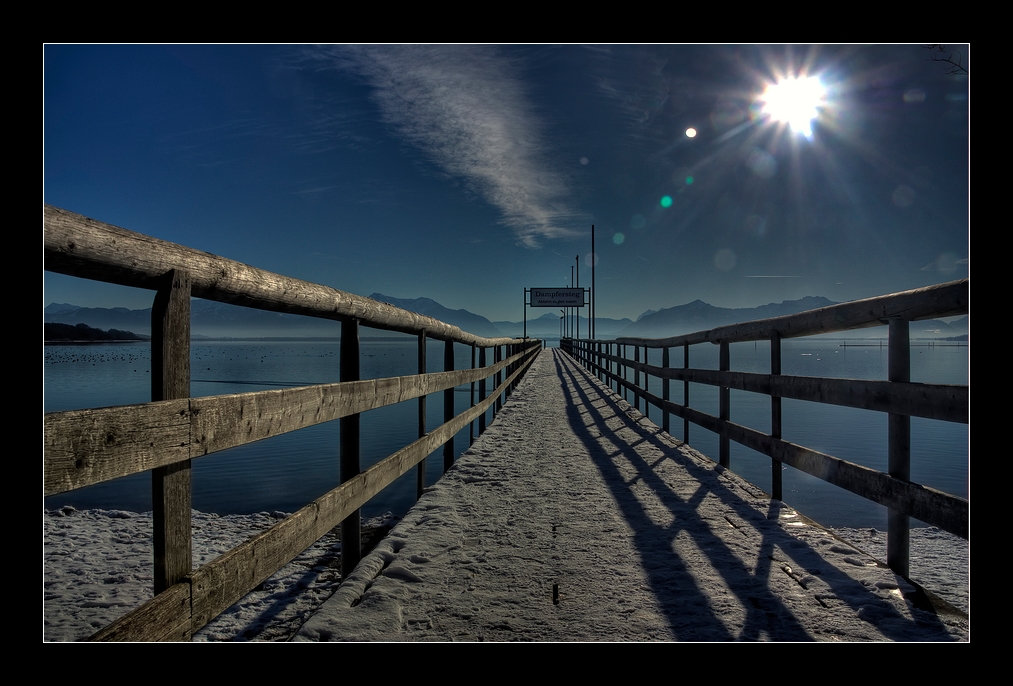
213,588
85,447
78,246
943,300
948,512
166,617
898,398
932,401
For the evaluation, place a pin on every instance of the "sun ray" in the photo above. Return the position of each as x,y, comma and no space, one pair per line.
796,102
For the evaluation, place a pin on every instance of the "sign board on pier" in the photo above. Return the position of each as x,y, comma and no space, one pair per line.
557,297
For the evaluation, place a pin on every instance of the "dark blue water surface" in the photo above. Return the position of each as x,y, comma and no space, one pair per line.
286,472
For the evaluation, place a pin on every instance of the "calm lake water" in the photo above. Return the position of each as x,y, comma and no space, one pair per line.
286,472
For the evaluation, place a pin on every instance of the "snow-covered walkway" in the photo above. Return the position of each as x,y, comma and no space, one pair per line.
574,518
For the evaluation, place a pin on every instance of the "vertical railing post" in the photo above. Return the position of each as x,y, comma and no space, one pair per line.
420,474
899,439
685,394
724,409
471,425
351,547
606,349
636,378
665,388
623,357
615,365
499,380
511,350
481,391
647,386
448,405
775,414
607,365
170,380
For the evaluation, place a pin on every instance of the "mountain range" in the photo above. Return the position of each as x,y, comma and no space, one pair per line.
219,320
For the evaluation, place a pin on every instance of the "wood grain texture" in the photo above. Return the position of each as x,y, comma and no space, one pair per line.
933,401
85,447
170,380
946,511
90,249
166,617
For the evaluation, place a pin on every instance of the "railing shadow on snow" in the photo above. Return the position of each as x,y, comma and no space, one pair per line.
85,447
673,578
898,398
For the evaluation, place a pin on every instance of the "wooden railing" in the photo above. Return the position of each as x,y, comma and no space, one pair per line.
898,397
84,447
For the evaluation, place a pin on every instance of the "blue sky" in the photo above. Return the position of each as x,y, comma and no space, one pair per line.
467,173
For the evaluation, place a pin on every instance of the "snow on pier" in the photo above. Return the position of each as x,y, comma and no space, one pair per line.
574,518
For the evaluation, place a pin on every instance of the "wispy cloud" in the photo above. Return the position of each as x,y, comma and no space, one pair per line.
466,109
946,263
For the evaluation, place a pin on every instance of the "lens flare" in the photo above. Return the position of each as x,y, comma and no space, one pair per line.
691,132
725,259
666,201
795,101
618,238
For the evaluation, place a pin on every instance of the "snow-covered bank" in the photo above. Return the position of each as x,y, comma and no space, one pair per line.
97,567
940,561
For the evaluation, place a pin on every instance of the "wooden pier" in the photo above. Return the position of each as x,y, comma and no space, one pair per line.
575,518
84,447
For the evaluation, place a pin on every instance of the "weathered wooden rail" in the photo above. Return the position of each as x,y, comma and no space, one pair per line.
898,397
84,447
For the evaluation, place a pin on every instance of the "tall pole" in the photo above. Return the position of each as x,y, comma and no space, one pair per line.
576,319
594,258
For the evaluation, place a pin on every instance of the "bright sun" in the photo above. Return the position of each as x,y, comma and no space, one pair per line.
796,102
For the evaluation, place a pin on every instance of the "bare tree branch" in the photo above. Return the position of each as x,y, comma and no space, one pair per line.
940,53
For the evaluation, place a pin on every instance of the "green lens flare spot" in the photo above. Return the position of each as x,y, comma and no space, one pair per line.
666,201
